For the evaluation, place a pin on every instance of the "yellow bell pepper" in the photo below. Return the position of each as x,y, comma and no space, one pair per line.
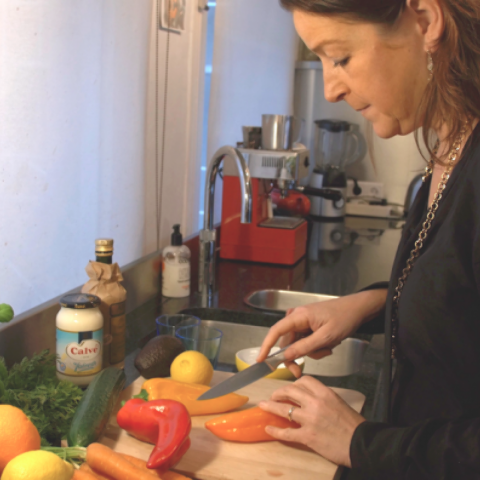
187,393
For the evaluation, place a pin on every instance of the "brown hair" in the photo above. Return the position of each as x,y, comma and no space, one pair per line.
453,93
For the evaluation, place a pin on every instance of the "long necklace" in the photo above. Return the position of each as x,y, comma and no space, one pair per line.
432,209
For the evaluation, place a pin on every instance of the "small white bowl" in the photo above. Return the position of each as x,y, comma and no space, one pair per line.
247,357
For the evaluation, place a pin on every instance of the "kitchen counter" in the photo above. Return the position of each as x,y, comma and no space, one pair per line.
343,258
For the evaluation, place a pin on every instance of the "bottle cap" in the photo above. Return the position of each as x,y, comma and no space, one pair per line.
176,236
80,301
104,247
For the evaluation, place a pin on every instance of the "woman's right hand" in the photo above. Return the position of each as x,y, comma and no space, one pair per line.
315,329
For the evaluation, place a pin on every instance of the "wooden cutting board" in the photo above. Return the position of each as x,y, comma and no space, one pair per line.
211,458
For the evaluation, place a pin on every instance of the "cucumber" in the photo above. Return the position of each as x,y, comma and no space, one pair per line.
91,416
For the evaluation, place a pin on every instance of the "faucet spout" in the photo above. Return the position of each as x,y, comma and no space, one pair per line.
206,272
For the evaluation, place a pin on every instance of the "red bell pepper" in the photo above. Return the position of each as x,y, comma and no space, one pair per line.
164,423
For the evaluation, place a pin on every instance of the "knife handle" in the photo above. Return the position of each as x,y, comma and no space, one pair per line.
274,360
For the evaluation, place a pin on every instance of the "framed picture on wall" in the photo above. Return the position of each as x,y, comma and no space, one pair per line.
172,15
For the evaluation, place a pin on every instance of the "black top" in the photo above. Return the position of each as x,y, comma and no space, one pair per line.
433,430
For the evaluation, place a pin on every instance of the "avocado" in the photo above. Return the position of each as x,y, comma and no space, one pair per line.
157,355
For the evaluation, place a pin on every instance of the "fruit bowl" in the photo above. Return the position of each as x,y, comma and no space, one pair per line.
247,357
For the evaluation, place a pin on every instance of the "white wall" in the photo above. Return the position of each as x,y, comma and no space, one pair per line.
99,136
181,72
99,126
73,79
252,71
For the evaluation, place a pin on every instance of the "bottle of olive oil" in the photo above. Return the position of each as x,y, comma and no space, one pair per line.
105,277
104,250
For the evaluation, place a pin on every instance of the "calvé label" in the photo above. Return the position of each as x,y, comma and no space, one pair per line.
79,353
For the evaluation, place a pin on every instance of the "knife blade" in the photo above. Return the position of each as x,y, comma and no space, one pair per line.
247,376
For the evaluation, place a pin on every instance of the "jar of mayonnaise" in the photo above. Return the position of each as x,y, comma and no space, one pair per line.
79,338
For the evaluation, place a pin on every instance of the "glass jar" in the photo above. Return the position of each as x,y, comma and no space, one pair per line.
79,338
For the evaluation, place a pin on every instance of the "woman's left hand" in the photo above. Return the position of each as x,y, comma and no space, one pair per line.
327,422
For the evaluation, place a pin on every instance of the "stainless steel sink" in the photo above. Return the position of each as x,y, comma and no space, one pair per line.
266,319
346,358
242,333
282,300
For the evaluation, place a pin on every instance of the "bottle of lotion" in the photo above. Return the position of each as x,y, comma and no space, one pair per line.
176,267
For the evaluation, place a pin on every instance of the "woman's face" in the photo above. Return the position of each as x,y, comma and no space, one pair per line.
379,73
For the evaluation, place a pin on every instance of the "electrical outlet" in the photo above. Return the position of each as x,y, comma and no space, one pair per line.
369,189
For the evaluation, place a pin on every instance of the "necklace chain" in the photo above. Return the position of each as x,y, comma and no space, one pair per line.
422,236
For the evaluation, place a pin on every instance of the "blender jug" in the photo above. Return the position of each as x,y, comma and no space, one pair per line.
337,143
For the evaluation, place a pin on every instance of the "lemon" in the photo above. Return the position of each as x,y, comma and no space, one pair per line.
191,367
37,465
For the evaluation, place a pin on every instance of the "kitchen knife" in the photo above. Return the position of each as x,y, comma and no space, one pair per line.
247,376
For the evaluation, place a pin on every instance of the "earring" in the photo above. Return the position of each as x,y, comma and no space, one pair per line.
430,63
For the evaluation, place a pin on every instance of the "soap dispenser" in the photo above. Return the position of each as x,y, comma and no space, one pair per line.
176,267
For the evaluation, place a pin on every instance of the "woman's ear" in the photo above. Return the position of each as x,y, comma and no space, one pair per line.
430,20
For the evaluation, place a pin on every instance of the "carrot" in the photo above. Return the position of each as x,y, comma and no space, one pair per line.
82,474
139,463
168,475
85,467
107,462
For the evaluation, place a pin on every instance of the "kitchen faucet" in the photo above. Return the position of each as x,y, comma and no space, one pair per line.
206,271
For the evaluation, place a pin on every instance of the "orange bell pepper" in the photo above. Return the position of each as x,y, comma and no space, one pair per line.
247,425
187,393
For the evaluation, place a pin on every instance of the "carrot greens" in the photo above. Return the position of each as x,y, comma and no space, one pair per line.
32,386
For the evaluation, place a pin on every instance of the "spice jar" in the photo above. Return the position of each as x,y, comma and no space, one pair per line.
79,338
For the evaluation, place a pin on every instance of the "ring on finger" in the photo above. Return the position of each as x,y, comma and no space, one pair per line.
292,408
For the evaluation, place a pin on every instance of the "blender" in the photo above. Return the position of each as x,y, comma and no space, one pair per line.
337,143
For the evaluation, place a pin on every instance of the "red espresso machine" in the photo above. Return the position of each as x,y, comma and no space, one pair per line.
268,238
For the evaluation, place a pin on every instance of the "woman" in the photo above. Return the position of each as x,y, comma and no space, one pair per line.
403,64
